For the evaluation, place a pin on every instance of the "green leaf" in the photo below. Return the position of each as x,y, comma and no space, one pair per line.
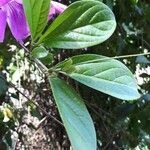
39,52
75,116
83,24
42,54
48,59
104,74
37,15
134,1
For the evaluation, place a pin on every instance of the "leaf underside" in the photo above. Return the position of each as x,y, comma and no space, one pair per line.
75,116
104,74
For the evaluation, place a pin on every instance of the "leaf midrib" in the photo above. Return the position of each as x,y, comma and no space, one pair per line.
99,79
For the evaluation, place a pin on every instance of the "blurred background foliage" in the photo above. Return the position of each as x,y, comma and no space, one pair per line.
119,124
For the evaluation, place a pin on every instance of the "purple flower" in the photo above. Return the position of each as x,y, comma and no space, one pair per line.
11,12
56,8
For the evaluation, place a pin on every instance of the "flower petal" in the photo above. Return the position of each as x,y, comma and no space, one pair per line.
3,2
56,8
17,21
52,12
2,25
19,1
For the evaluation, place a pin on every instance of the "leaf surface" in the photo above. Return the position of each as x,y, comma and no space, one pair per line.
83,24
75,116
37,15
104,74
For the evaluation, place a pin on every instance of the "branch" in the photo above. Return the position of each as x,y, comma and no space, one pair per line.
43,68
132,55
46,113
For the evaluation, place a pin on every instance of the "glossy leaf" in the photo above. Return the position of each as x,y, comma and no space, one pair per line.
37,15
48,59
83,24
104,74
75,116
39,52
